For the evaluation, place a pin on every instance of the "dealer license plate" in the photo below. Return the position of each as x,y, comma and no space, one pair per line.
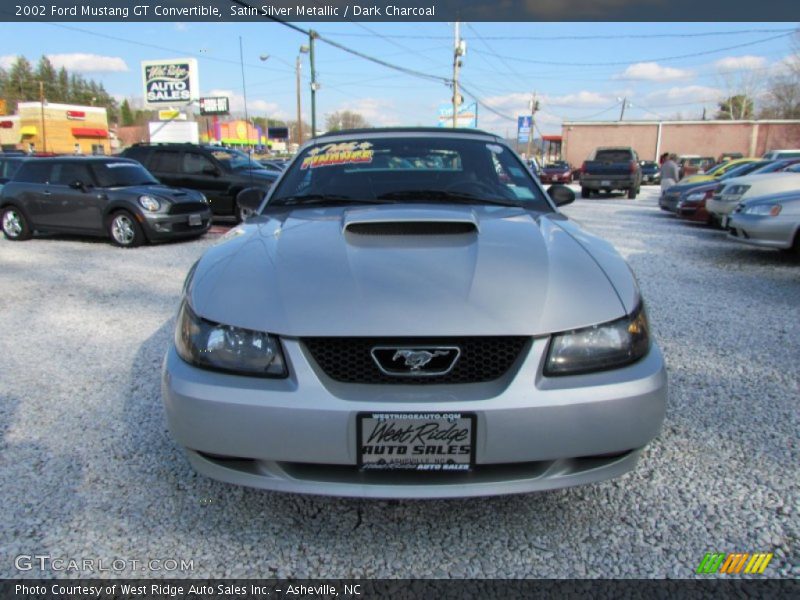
416,441
605,182
195,220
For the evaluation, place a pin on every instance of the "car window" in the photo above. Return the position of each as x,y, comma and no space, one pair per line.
9,166
34,171
195,163
615,156
413,169
137,153
65,173
165,161
122,173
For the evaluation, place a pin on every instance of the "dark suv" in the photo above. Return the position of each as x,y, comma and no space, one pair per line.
219,173
111,197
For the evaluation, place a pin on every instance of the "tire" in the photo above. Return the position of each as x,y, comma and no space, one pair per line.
242,214
586,192
15,224
632,193
124,231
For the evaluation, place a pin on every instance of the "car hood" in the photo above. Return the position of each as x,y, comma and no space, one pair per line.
173,194
682,188
372,272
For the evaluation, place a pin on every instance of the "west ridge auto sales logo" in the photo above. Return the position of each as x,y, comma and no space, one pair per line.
169,82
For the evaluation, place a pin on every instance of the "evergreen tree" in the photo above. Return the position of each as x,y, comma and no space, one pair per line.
46,74
126,114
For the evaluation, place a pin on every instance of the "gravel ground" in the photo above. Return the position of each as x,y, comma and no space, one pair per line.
88,470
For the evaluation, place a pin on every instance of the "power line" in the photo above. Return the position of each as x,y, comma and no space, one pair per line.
573,37
639,60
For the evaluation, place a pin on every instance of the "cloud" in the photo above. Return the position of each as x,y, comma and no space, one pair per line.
734,63
6,60
88,63
652,71
261,107
684,94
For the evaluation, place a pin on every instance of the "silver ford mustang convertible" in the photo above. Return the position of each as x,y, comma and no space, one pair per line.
408,315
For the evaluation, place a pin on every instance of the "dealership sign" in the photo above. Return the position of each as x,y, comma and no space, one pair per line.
169,82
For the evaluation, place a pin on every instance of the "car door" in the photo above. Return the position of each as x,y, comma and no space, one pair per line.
31,188
165,165
81,201
201,173
69,202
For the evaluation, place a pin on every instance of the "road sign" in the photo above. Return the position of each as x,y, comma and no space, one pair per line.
524,128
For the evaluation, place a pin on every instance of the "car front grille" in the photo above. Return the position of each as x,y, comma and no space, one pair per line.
481,359
185,208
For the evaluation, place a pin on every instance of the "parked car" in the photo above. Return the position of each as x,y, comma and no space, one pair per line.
556,172
718,171
781,154
772,221
739,189
691,165
651,172
726,156
609,169
219,173
107,197
351,339
688,201
274,164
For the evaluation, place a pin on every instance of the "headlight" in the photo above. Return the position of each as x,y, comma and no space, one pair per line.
696,196
772,210
225,348
203,198
600,347
149,203
733,192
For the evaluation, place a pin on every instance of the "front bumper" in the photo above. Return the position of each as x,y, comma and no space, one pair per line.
762,230
720,208
299,434
160,227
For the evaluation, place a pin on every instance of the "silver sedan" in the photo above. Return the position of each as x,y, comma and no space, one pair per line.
408,315
770,221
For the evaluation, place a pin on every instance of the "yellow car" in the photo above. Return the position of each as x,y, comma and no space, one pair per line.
718,171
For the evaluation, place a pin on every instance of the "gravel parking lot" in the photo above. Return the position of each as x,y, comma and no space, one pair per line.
88,469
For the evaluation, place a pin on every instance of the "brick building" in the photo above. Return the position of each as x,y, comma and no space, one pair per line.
652,138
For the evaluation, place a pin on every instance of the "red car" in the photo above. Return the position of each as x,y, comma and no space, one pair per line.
692,205
556,172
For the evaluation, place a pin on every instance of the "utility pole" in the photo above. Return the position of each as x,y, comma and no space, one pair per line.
622,112
41,103
458,51
299,131
312,35
534,107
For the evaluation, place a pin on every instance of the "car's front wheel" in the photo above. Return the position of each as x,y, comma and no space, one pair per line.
15,225
124,231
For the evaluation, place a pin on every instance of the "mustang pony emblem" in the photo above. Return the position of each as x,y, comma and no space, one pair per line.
416,359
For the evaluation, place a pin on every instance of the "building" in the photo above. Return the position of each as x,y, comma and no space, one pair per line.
59,128
705,138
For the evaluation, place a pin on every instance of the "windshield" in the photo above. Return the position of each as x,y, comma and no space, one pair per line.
742,169
234,159
409,169
122,174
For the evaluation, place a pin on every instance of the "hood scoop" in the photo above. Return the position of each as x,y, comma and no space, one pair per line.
405,221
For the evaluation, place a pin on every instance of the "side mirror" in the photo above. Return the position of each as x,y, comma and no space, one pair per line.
77,185
561,194
250,199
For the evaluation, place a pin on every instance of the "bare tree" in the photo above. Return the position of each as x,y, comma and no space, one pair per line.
345,119
742,86
782,99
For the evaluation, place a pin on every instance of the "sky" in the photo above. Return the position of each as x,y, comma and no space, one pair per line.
579,71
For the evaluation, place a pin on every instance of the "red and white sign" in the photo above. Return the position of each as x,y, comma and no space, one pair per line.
76,115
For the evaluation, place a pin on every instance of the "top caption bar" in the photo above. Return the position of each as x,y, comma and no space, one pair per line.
398,10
